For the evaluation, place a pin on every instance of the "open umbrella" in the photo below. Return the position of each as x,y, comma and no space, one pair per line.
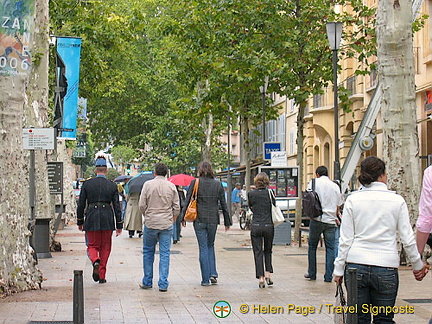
181,179
136,183
122,178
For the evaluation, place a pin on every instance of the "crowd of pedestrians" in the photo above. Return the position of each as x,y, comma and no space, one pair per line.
369,223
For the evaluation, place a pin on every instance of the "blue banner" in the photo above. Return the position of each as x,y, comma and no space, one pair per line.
69,49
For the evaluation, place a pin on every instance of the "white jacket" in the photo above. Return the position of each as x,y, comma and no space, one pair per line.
371,218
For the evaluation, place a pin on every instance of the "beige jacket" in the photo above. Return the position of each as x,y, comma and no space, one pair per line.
159,203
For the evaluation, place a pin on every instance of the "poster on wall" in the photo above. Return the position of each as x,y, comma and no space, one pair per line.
16,31
428,101
69,50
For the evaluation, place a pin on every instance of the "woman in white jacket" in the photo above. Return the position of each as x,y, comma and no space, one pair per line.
371,218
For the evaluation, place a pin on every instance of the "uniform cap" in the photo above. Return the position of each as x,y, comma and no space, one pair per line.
101,162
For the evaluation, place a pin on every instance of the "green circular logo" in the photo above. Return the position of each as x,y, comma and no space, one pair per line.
221,309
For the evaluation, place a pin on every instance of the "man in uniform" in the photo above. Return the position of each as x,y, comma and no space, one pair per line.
99,214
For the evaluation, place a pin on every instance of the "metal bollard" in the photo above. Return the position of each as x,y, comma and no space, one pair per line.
352,293
78,297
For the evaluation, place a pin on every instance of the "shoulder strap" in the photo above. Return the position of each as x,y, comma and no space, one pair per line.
313,184
272,197
195,189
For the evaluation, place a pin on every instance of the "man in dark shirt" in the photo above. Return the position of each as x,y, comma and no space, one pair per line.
99,214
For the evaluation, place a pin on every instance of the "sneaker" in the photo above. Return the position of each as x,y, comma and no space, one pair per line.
95,274
213,280
307,276
205,284
145,287
102,281
163,289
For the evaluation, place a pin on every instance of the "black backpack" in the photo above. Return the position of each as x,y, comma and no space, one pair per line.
311,205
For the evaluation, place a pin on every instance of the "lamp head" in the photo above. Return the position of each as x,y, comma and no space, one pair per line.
334,34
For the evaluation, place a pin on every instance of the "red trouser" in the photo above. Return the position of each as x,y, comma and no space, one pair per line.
99,248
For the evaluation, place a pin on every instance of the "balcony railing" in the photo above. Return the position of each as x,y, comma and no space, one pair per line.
351,84
373,78
318,101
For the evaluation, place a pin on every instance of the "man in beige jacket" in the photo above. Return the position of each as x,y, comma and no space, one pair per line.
160,206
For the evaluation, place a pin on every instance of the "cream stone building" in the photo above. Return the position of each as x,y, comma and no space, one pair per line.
319,142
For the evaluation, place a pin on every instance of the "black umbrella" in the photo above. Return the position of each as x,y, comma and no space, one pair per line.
122,178
136,183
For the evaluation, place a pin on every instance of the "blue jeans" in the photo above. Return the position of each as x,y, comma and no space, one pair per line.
206,234
123,208
176,229
315,230
377,286
150,239
337,235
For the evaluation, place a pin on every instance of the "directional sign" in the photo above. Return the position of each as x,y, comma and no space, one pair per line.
39,139
55,177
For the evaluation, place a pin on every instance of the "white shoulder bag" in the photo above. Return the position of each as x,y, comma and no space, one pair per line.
277,216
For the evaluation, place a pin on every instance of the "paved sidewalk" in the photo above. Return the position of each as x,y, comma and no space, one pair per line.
120,300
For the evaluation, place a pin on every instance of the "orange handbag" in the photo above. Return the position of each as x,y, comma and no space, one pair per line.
191,210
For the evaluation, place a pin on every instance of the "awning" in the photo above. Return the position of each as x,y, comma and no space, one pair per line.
242,168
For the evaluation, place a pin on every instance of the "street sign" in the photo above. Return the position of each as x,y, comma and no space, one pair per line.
270,147
55,177
39,139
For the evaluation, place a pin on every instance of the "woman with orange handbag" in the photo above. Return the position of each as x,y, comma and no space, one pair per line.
210,195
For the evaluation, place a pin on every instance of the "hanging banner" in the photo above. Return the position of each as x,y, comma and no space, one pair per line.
16,30
69,50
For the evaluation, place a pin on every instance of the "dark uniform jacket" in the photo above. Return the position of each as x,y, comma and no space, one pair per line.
98,204
211,196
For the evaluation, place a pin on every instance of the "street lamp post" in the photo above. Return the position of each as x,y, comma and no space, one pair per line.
334,34
263,90
229,160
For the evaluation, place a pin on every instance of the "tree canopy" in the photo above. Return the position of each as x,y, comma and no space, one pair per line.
158,75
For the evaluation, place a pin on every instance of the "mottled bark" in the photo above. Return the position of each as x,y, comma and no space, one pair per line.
247,149
396,73
36,108
208,131
17,266
23,104
300,163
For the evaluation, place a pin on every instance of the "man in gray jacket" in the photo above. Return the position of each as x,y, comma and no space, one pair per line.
159,203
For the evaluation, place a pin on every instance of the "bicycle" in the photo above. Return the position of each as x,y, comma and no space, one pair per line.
245,218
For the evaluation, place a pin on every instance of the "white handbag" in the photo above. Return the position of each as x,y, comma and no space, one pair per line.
277,216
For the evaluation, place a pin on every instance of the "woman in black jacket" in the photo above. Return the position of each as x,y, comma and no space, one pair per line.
262,229
211,195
